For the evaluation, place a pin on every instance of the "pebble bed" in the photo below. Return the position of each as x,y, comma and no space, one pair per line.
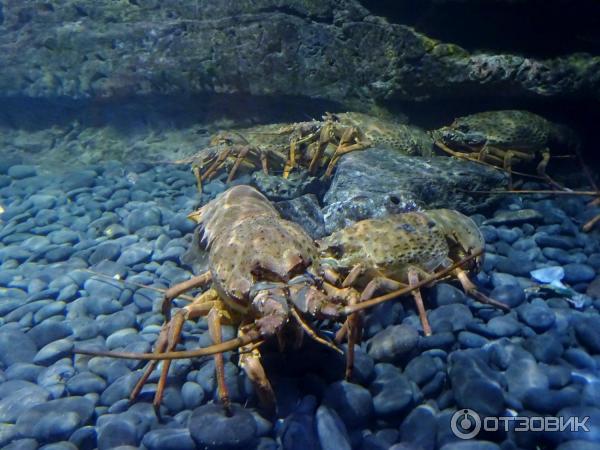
542,358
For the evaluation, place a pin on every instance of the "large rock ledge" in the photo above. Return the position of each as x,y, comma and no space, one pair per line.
331,49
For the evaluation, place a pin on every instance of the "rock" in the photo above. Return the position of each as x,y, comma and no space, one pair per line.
116,432
55,420
393,343
593,289
518,217
547,401
49,331
63,445
392,392
107,250
306,212
135,254
23,371
211,428
11,353
352,402
377,182
578,445
588,333
192,394
517,263
537,315
511,295
457,315
555,241
418,429
474,384
169,439
545,347
54,351
85,383
523,376
509,235
578,273
502,326
471,445
579,432
84,438
142,217
20,171
421,369
446,294
18,397
331,430
277,188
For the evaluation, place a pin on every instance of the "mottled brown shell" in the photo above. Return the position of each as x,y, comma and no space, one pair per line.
391,245
249,242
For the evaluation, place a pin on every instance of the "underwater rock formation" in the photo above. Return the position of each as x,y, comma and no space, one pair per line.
335,50
377,182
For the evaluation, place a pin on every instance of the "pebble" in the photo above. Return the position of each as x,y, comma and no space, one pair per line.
142,217
588,333
135,254
578,273
84,383
418,429
524,376
537,315
10,353
501,326
169,439
49,331
107,250
456,315
351,401
474,384
210,427
20,171
331,430
53,351
393,343
55,420
18,396
545,347
118,432
391,390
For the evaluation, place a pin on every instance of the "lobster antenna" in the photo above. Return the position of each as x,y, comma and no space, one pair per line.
250,338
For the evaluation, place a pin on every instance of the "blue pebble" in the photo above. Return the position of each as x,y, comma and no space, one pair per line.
192,394
545,347
55,420
10,353
511,295
523,376
119,389
538,316
353,402
22,444
332,432
169,439
474,384
96,287
63,445
141,217
54,351
107,250
392,391
471,340
117,431
84,438
49,331
509,235
181,223
548,401
5,180
113,322
421,369
20,171
18,397
393,343
588,333
557,241
503,326
84,383
578,273
210,427
135,254
23,371
593,424
418,429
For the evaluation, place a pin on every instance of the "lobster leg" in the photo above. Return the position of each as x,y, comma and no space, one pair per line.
250,363
214,328
346,146
470,289
175,291
413,279
168,340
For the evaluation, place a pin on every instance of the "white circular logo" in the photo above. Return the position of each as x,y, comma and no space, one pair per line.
465,424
